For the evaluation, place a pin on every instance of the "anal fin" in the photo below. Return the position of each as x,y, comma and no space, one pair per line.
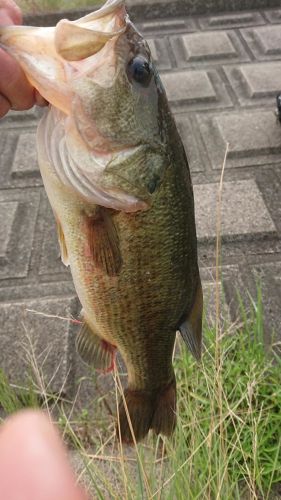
191,328
94,350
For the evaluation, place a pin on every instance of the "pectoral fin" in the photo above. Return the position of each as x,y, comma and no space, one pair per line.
95,351
103,242
191,328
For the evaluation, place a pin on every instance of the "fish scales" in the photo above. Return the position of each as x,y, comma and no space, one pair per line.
118,181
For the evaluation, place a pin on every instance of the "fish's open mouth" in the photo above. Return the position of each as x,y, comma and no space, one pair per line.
58,61
52,56
76,40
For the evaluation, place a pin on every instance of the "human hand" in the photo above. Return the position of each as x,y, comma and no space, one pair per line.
15,90
33,463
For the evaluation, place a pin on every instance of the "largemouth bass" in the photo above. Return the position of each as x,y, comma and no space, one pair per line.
118,181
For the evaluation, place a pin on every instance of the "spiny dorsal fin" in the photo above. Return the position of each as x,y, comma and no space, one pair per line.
191,328
94,350
103,242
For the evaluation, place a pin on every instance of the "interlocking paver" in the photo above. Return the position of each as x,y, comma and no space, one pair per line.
192,149
208,47
159,53
195,89
19,246
50,261
25,160
191,86
255,81
231,20
265,41
19,166
254,138
221,74
273,15
169,25
50,337
7,217
243,210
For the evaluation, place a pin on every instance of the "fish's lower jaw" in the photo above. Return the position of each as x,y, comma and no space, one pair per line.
138,206
140,411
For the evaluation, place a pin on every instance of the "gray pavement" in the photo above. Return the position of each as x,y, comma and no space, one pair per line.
222,73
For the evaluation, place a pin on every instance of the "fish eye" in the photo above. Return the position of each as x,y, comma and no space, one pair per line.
139,70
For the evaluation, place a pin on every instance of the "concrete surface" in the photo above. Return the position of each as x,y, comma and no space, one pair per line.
221,73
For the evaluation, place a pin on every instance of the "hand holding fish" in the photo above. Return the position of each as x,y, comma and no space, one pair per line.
15,90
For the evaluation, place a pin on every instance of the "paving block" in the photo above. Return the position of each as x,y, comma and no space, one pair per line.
213,292
50,338
195,89
8,212
270,184
28,289
243,211
273,15
264,41
19,166
267,277
169,25
159,52
255,81
207,47
254,138
50,259
188,86
191,146
244,249
18,213
13,117
8,143
25,159
163,8
231,20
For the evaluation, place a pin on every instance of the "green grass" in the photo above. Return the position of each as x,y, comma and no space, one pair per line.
228,439
13,398
41,6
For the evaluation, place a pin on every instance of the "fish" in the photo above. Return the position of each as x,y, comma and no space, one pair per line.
118,181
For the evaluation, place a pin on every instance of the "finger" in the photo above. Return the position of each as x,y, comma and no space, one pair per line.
14,85
10,13
4,106
33,464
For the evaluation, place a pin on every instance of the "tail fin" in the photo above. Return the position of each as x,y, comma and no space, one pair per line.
148,410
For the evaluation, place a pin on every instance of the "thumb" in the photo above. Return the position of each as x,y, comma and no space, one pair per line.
10,13
33,461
